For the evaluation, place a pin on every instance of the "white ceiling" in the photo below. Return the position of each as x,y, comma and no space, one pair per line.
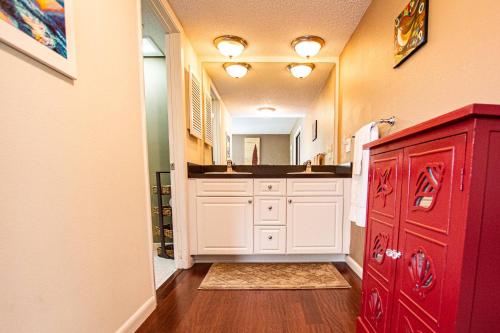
269,26
268,84
262,125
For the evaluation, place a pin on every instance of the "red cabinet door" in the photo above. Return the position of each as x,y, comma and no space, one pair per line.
431,235
384,201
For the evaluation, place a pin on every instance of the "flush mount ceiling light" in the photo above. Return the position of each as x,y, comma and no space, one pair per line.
230,46
308,46
300,71
150,49
266,109
237,69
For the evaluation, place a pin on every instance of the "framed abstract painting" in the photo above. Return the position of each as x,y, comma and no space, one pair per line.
42,29
410,30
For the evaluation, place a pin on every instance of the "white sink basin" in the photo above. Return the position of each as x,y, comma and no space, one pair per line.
311,173
227,173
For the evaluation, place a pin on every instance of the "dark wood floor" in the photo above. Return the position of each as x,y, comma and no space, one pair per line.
184,308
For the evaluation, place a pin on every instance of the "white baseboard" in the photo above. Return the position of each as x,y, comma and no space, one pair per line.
270,258
135,321
354,266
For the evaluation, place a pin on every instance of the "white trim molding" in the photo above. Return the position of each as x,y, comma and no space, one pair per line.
270,258
354,266
136,320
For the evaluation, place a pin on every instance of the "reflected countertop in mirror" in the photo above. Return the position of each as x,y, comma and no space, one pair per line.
269,171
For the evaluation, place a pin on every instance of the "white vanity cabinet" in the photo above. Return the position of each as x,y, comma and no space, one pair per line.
268,216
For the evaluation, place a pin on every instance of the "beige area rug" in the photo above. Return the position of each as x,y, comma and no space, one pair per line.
274,276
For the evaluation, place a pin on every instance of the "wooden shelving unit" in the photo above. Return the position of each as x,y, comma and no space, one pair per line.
165,226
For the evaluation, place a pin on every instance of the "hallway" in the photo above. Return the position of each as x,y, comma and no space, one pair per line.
184,308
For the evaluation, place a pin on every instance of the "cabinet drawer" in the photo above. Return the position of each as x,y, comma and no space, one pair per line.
270,211
270,187
270,240
224,187
314,187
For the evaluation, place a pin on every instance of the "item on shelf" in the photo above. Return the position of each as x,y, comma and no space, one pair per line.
169,249
167,231
166,210
165,189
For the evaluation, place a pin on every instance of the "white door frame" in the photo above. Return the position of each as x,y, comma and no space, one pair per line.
176,129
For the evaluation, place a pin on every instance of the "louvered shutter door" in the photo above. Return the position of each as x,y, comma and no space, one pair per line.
195,107
209,131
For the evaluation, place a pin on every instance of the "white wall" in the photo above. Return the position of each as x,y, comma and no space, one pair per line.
74,236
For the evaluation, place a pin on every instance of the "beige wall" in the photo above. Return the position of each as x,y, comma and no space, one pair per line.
323,111
274,148
197,151
458,66
74,236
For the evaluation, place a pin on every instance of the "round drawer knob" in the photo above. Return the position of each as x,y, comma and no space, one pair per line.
269,237
249,201
269,187
270,207
289,201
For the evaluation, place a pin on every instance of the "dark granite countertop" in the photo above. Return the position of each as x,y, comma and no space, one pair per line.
268,171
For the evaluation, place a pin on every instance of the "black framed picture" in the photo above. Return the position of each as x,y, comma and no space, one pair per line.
315,130
410,30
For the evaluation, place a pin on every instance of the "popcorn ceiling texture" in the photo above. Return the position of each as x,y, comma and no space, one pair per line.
269,26
269,84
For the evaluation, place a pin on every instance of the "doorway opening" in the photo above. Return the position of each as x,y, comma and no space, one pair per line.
297,149
157,128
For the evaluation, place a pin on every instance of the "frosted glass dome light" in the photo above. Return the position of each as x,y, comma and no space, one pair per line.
230,46
308,46
300,71
236,69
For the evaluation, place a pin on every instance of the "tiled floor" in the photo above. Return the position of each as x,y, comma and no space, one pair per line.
163,269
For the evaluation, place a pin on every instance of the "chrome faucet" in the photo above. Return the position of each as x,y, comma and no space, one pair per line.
308,166
229,166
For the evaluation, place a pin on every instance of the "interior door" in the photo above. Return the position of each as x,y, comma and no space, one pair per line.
385,176
431,236
225,225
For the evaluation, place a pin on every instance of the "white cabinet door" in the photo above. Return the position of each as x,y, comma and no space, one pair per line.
314,224
225,225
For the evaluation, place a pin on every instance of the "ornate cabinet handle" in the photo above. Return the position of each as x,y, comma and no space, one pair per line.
393,254
397,254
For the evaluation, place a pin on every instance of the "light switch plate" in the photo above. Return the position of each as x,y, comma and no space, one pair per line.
347,145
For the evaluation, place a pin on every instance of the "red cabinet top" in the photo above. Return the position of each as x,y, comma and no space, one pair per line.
467,112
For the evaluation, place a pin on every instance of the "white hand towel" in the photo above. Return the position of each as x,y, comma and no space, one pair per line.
362,136
359,184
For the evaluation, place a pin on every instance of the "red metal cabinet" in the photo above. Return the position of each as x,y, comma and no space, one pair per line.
434,227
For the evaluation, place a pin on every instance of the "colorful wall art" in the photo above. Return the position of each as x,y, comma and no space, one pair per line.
410,30
42,29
